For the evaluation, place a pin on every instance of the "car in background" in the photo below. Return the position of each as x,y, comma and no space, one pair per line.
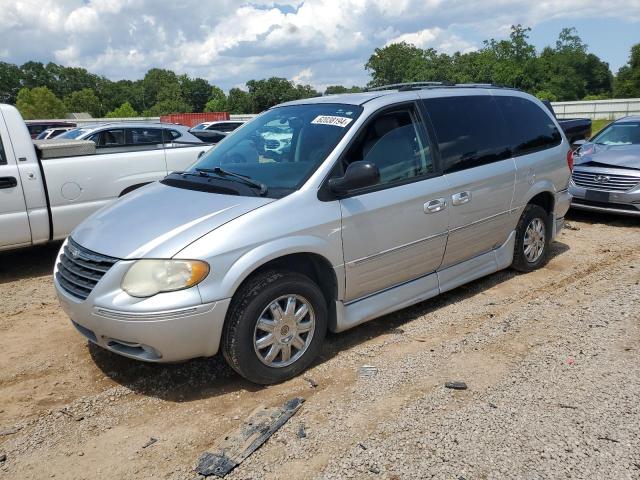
575,129
219,126
120,134
36,128
52,133
606,174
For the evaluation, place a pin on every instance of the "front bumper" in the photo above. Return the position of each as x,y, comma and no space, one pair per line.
621,203
167,327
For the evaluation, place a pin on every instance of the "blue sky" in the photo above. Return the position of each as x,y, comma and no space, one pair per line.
321,42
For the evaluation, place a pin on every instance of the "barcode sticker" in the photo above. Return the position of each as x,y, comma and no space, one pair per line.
331,120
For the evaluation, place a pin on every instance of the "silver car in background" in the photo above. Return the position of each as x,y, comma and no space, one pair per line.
606,174
381,200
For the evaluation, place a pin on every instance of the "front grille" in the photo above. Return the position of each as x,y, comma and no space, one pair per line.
604,181
79,269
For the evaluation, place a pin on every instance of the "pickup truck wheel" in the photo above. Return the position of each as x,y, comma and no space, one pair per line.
532,239
275,327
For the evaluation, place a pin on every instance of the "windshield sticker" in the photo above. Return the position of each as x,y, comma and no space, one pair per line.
332,120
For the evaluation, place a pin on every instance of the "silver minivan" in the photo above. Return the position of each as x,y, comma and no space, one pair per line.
376,201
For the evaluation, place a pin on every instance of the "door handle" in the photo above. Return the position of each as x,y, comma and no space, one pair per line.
433,206
8,182
461,198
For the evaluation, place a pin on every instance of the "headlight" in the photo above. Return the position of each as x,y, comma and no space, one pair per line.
146,278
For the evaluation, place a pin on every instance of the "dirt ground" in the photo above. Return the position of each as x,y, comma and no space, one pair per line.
548,350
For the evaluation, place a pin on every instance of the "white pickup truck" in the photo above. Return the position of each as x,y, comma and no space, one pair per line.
48,188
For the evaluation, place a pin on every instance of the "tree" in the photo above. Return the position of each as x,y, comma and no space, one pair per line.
10,76
396,63
84,100
123,111
169,100
239,101
195,92
217,101
268,92
627,82
335,89
39,102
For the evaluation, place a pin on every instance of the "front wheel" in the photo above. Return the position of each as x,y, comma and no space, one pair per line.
275,328
532,239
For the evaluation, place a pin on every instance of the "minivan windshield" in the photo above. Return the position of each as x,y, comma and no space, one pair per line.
282,147
624,133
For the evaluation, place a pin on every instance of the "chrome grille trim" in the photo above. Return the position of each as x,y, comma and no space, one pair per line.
79,269
615,182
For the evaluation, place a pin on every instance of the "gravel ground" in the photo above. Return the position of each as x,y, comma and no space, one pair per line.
550,360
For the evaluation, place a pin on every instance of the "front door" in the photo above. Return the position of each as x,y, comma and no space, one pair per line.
14,222
395,231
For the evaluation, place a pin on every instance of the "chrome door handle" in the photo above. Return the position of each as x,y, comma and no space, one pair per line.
433,206
460,198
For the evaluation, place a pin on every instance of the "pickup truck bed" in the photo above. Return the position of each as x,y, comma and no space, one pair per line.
46,191
574,128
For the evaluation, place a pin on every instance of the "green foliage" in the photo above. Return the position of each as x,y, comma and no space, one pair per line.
546,95
566,71
84,100
9,82
335,89
39,102
195,91
239,101
627,84
603,96
123,111
271,91
217,101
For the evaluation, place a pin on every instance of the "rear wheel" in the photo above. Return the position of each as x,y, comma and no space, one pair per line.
275,327
532,239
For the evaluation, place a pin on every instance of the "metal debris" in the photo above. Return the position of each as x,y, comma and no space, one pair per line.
232,448
367,371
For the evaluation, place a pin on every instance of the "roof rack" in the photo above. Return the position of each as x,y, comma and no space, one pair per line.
404,87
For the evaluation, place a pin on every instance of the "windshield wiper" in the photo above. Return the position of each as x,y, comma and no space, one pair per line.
245,179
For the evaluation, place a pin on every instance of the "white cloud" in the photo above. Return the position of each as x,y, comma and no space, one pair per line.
228,42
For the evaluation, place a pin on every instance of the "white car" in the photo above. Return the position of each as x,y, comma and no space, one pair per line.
220,126
53,133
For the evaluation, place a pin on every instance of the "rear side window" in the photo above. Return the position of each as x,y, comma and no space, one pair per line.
146,136
3,158
470,131
529,127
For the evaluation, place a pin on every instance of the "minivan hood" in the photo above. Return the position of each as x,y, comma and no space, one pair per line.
157,221
623,156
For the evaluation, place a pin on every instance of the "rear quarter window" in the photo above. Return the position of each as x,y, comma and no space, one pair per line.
529,127
470,131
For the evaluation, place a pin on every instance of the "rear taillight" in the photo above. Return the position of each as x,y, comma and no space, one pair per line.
570,160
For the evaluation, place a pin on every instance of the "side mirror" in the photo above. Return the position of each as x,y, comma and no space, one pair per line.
577,144
358,175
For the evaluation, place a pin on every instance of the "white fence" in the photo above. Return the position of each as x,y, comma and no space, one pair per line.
598,109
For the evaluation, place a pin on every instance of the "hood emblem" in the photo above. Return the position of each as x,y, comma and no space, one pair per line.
75,253
602,178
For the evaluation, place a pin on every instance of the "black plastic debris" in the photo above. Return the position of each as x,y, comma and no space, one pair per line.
234,447
456,385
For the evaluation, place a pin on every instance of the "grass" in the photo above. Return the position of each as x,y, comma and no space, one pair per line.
597,125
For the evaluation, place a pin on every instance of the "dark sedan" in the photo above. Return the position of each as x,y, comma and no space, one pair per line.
606,174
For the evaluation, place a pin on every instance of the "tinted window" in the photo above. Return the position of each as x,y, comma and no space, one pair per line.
146,136
3,158
623,133
529,127
393,141
112,138
171,135
469,130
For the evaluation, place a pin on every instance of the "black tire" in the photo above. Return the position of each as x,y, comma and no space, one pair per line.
247,306
520,260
